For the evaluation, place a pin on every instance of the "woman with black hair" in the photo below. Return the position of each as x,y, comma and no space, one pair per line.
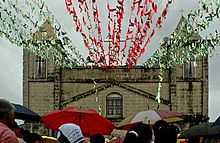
164,133
97,138
33,138
141,133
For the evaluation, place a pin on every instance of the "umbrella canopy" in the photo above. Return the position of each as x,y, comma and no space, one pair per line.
23,113
150,117
47,139
217,122
204,129
89,121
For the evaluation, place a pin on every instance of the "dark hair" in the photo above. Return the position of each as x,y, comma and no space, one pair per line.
5,108
63,138
193,139
140,133
36,137
173,133
164,133
32,137
97,138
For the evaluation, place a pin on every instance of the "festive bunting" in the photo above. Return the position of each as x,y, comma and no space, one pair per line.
140,31
144,30
21,24
185,44
182,51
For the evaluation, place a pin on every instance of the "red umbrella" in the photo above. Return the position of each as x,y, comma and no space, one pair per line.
89,121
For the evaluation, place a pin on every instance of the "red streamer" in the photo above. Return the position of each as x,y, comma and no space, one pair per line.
139,45
139,33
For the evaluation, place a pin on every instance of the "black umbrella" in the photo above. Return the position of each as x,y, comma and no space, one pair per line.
23,113
204,129
217,122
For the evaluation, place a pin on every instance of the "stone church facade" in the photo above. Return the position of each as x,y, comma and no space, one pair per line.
117,92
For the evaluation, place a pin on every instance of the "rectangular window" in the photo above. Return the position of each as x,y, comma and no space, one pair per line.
40,68
189,69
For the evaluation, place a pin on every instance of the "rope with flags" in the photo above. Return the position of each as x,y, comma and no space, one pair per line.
141,29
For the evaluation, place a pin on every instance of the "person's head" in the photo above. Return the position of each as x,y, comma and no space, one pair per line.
34,138
194,139
163,132
140,133
70,133
26,135
97,138
173,133
7,113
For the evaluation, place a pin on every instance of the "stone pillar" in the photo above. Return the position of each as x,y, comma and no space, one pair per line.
204,87
25,78
57,88
172,89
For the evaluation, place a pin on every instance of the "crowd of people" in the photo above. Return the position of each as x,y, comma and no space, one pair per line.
161,132
10,132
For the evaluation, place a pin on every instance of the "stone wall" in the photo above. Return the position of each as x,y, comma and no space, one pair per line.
187,95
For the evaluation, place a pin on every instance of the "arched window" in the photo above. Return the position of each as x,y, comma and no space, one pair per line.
114,106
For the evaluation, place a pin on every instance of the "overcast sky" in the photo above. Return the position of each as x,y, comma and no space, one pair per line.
11,56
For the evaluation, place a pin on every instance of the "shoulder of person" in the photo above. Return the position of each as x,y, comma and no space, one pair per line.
7,136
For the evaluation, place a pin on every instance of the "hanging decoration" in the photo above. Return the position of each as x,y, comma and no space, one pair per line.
142,28
159,88
185,43
21,21
97,97
115,17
